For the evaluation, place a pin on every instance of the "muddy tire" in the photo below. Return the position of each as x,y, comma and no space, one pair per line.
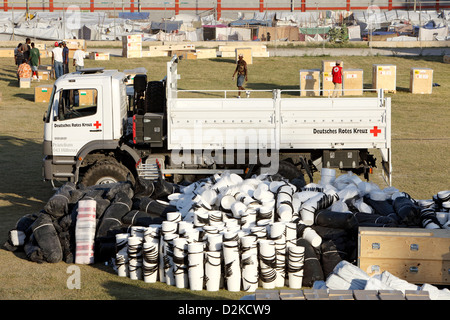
109,172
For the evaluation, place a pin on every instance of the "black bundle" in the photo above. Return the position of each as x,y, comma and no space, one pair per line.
337,220
407,210
46,238
312,270
58,204
141,218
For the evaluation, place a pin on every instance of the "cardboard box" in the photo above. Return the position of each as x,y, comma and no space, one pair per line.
413,254
44,75
25,83
87,97
310,80
99,55
43,93
384,76
421,80
247,52
352,82
74,44
327,65
7,53
206,53
132,38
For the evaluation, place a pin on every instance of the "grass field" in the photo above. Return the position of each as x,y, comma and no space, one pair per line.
420,151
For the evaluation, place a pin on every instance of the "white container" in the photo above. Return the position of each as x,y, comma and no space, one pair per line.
180,253
266,257
213,270
195,269
312,237
121,254
250,271
135,257
295,262
232,265
150,253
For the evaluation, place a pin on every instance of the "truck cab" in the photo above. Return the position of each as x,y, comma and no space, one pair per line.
85,122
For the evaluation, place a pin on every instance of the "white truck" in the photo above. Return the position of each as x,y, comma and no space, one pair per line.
99,130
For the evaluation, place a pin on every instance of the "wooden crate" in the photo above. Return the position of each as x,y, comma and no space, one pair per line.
327,65
87,97
413,254
6,53
99,55
247,52
353,82
25,83
74,44
132,38
206,53
421,80
310,80
44,75
384,76
43,93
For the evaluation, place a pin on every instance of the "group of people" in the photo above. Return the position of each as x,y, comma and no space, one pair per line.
60,59
27,58
242,76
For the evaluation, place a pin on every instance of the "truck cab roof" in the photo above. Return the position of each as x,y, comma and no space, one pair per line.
92,74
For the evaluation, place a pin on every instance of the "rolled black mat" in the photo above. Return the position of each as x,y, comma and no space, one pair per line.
312,270
334,219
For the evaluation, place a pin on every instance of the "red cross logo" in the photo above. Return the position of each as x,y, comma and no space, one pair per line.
98,124
375,131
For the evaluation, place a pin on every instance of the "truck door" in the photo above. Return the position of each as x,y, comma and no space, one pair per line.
78,120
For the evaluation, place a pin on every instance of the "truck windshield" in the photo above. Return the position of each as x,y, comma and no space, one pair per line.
77,103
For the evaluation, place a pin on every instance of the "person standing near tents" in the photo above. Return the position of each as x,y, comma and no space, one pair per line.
18,55
57,60
65,58
35,60
336,72
242,73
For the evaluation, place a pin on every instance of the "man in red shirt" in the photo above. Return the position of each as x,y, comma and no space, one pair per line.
337,79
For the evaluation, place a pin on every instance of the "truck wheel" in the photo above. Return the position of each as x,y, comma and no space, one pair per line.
155,97
102,173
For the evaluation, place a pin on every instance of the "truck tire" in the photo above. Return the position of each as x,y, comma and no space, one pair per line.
107,172
155,97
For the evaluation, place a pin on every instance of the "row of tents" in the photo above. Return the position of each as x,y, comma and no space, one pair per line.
262,26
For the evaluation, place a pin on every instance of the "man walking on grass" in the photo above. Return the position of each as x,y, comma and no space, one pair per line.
242,72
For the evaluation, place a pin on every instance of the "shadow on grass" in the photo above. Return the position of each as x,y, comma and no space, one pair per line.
25,96
22,190
125,291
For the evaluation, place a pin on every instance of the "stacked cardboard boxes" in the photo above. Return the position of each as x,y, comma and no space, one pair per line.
327,77
132,46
